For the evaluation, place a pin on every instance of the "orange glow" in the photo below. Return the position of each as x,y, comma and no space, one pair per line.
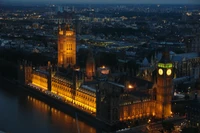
69,33
104,70
79,99
60,32
77,69
40,81
130,86
66,48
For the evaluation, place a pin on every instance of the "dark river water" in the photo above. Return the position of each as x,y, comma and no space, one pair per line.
22,113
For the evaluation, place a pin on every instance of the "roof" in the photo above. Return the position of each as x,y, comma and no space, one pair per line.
181,80
177,58
158,56
42,72
63,76
88,88
116,84
141,84
140,94
186,56
165,56
145,62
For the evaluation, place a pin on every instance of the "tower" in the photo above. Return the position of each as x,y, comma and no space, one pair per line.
49,77
90,66
66,47
24,72
164,86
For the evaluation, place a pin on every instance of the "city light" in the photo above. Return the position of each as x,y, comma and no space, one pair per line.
130,86
116,78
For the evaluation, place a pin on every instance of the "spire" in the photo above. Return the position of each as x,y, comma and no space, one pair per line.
145,62
90,65
152,60
90,53
165,56
73,28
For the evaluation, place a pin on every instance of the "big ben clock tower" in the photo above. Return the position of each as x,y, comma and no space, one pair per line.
164,86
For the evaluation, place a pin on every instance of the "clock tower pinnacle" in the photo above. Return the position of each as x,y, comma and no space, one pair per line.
164,86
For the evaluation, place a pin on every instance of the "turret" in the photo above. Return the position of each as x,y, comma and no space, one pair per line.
90,66
49,78
66,47
24,72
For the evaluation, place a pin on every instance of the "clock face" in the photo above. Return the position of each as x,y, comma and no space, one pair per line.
160,71
169,72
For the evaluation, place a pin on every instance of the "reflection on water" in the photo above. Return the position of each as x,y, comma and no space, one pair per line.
22,113
59,118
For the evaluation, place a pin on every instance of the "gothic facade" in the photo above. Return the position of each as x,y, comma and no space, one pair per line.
111,98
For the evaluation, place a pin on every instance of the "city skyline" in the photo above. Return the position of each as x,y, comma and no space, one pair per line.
102,1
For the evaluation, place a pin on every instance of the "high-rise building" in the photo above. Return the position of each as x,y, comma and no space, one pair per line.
66,47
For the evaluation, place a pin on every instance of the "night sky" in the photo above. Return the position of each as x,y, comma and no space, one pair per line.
105,1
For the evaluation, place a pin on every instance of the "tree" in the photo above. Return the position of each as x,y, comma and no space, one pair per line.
168,126
189,130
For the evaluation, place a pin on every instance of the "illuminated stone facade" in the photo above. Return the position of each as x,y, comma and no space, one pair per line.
40,79
137,109
66,47
83,97
113,98
164,87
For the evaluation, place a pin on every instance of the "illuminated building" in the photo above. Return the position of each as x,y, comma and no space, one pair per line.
164,87
108,96
66,47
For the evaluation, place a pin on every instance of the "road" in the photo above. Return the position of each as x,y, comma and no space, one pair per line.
152,127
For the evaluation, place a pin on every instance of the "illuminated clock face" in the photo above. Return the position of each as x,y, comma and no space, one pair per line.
169,72
160,71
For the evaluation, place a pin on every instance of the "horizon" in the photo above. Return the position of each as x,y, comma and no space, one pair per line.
76,2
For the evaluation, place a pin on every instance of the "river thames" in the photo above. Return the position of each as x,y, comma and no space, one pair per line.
22,113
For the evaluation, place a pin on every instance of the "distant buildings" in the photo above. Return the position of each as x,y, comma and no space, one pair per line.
196,43
193,115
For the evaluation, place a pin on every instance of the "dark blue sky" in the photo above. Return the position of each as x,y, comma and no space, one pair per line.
107,1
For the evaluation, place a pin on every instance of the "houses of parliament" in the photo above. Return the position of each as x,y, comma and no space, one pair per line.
109,96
